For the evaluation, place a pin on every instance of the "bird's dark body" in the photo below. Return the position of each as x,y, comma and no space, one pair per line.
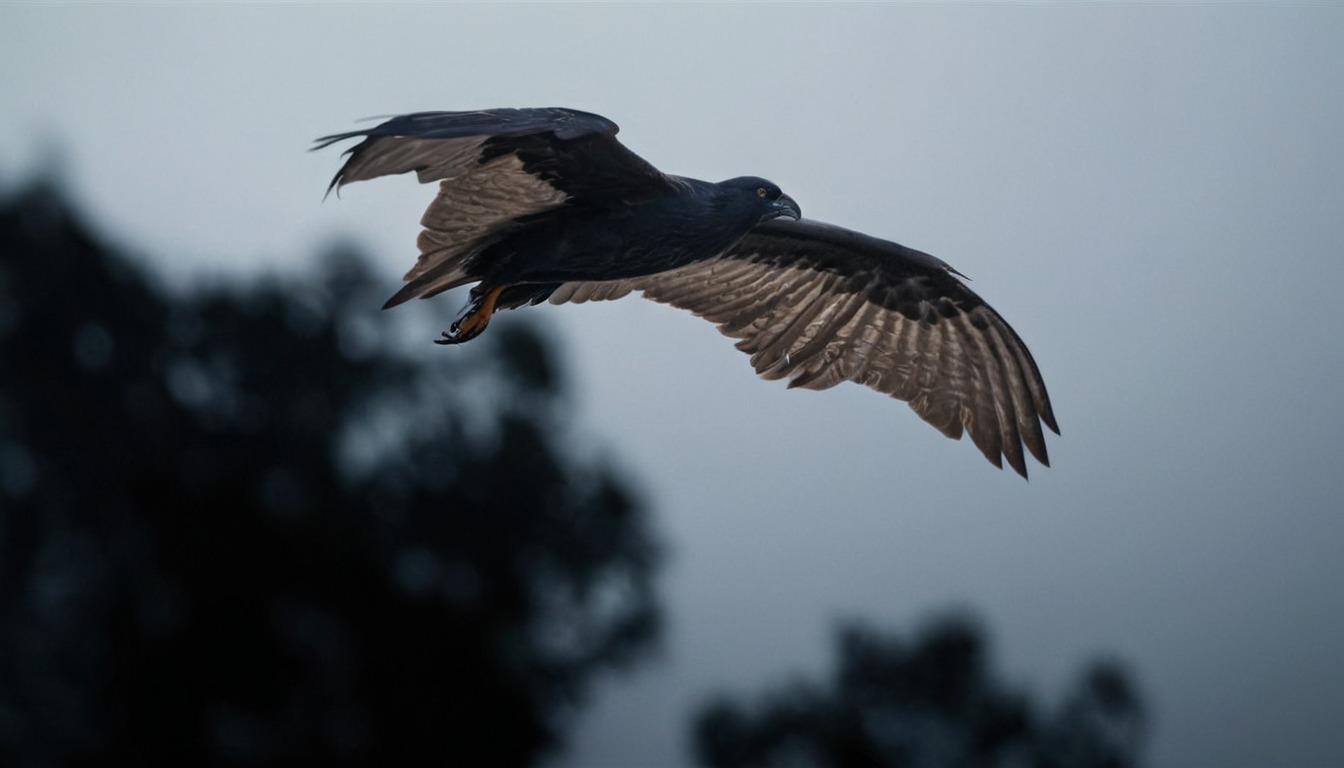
605,242
546,204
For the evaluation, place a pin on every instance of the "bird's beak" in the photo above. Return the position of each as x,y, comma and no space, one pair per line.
785,206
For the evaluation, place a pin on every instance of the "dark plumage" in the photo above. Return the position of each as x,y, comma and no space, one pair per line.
546,204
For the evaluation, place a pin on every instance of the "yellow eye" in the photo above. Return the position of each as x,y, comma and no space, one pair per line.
761,192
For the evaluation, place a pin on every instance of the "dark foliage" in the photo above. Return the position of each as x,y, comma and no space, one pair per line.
240,527
933,703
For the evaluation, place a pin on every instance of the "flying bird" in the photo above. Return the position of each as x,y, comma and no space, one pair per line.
546,205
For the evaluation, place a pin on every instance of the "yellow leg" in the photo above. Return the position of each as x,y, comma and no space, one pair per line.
475,316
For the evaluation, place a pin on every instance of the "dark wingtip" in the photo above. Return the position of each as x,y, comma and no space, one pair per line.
324,141
1018,462
334,185
407,292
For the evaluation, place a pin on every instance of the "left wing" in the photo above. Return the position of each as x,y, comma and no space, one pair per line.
817,304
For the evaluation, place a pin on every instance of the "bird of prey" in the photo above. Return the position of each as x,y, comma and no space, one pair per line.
546,205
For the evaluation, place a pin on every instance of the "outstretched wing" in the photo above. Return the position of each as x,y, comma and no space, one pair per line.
817,304
496,168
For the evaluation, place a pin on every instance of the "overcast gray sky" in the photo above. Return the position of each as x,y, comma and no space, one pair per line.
1150,195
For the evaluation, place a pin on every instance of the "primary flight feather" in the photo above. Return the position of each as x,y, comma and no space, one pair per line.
545,204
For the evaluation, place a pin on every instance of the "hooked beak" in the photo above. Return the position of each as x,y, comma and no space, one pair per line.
785,206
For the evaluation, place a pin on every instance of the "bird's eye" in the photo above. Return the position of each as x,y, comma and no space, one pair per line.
762,191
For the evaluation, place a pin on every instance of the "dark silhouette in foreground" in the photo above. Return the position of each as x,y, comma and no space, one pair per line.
240,527
931,703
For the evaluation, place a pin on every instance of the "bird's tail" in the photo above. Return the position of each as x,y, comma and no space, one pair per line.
438,269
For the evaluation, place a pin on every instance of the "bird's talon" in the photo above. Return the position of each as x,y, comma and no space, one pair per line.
453,335
475,316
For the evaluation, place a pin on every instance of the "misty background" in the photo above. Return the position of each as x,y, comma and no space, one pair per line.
1150,195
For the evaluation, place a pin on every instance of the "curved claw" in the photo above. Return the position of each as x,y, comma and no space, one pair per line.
473,319
452,336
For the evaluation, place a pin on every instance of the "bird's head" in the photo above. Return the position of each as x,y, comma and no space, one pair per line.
764,197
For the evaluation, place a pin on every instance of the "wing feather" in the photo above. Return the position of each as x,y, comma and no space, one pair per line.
818,353
811,303
497,169
818,305
1027,392
580,292
996,393
773,347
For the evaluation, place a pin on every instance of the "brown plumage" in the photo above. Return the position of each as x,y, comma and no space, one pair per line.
546,204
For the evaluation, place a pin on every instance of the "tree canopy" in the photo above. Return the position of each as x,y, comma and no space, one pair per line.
245,525
934,702
239,525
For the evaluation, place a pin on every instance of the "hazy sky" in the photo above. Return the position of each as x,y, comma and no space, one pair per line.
1150,195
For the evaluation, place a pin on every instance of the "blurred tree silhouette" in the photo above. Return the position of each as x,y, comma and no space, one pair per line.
930,704
241,527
